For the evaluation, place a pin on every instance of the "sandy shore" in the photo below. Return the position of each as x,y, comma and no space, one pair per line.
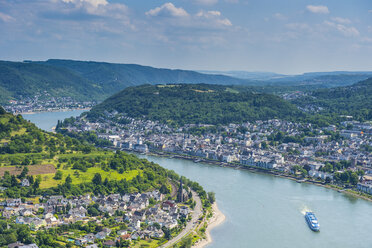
217,219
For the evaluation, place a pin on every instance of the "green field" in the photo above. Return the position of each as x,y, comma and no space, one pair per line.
48,181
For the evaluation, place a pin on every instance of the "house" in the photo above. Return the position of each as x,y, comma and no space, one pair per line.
90,237
184,211
13,202
109,243
121,232
320,174
78,212
91,246
29,246
25,212
364,187
134,236
21,245
25,183
103,234
81,241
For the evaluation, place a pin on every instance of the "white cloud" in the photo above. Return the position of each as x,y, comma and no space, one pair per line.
215,17
367,40
206,2
167,9
370,11
94,3
298,26
98,8
280,16
341,20
345,30
6,18
318,9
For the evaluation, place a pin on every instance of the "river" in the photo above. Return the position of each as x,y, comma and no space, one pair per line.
48,120
266,211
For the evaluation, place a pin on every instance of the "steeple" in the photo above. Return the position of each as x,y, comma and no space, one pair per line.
180,192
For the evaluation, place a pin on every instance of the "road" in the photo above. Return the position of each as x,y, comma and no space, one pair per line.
191,224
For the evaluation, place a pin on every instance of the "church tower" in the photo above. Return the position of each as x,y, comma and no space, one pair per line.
180,192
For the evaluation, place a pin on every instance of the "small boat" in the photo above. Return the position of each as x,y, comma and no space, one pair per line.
312,221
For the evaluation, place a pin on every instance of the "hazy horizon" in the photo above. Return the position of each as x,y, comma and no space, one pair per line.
286,37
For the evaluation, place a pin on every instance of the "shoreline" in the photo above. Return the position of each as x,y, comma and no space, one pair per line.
216,220
50,111
258,170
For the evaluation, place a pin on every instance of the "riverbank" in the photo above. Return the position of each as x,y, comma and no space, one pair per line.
252,169
217,219
53,110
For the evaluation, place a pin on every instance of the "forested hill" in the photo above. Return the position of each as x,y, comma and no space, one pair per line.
93,81
29,79
115,77
186,104
354,100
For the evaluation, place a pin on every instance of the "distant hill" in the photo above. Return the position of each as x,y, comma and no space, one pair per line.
115,77
199,103
83,80
311,80
88,80
19,79
354,100
258,76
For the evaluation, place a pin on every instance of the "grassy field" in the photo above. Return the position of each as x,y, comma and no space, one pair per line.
47,169
32,169
146,243
48,180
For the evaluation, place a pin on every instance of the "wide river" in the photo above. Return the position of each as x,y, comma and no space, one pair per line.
266,211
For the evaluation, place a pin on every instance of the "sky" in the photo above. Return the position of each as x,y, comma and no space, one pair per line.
283,36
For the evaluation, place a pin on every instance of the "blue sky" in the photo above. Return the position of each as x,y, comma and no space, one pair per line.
284,36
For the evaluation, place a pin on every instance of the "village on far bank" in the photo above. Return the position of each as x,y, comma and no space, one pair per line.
44,102
340,155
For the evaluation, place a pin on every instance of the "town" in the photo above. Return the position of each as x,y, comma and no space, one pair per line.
45,103
340,154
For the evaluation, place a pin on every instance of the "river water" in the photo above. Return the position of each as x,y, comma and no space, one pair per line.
266,211
48,120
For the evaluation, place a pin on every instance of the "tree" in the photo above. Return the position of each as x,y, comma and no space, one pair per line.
2,111
186,242
167,233
58,175
263,145
354,179
211,197
164,189
68,181
13,181
97,179
328,180
307,167
10,238
23,173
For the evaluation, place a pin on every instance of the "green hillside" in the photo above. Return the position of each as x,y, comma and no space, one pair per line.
185,104
29,79
354,100
51,158
115,77
92,81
